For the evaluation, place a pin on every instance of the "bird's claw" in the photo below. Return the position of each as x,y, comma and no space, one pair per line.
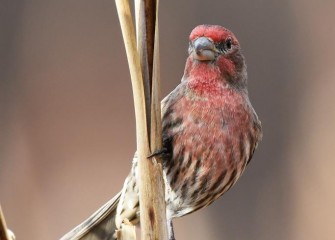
158,153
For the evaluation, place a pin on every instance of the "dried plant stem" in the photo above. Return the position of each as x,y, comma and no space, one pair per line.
3,227
156,136
128,33
156,126
152,204
152,199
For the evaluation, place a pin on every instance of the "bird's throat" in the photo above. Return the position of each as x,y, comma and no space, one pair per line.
204,78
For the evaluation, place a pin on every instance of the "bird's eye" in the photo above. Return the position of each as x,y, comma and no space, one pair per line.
225,46
229,43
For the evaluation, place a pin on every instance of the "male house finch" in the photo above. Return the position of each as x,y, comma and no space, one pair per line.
210,132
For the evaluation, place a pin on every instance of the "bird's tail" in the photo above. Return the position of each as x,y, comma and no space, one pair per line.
99,226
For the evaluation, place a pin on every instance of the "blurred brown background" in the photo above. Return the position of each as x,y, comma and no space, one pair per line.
67,131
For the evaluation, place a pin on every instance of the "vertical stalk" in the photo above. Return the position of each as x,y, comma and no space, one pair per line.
145,83
152,199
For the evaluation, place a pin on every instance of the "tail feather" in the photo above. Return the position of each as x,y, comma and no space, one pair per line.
99,226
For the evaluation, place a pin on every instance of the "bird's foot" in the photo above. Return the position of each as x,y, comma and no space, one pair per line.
158,152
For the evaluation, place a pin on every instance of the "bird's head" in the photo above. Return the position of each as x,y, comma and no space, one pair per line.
213,46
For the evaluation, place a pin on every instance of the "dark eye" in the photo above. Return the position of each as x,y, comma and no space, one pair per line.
229,43
225,46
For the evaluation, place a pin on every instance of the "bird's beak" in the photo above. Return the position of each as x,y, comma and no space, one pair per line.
204,49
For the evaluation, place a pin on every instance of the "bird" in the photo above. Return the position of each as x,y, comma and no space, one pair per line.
209,132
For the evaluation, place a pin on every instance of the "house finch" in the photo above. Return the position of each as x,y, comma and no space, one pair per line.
210,132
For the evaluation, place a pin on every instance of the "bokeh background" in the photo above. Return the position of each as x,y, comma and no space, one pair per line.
67,131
